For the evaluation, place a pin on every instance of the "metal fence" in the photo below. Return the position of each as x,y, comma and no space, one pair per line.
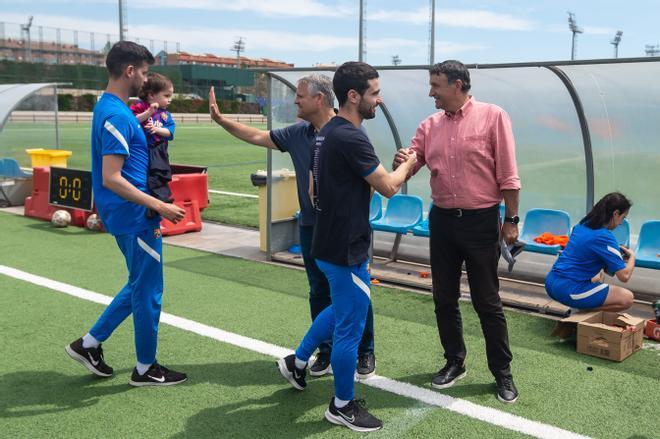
86,117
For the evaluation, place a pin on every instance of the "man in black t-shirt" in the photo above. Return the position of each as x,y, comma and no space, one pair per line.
345,168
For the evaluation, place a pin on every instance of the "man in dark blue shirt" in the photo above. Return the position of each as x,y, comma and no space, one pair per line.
346,169
315,100
120,160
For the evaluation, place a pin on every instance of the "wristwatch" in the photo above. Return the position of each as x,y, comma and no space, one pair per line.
515,219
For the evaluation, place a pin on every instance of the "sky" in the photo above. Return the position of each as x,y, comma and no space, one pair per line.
311,32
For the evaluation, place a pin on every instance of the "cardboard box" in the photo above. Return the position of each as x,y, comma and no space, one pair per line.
614,336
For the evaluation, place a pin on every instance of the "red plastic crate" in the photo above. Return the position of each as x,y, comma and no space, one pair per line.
189,187
191,222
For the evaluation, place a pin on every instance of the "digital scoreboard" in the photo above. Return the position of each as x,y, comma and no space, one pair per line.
70,188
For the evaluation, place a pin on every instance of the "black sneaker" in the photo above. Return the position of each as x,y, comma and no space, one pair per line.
321,366
291,373
448,375
506,390
366,366
91,358
157,375
354,415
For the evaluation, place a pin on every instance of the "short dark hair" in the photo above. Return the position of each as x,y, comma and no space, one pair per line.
603,211
352,75
124,54
453,70
155,83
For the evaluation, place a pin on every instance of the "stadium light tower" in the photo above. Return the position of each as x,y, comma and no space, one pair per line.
362,43
122,20
652,49
238,47
396,60
432,33
25,30
615,42
572,25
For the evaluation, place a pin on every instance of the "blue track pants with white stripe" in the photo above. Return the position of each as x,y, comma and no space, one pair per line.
141,296
343,321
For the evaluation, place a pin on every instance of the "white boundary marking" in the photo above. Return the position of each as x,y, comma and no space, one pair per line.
233,194
430,397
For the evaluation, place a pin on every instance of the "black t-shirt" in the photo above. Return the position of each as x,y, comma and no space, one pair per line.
343,157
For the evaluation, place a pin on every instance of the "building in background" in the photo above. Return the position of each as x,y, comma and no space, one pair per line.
49,53
185,58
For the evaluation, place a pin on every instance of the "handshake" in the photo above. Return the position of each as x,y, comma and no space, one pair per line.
405,156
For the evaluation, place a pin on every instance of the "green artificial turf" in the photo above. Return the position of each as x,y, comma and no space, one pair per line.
236,393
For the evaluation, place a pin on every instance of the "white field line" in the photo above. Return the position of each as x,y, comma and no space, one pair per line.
233,194
430,397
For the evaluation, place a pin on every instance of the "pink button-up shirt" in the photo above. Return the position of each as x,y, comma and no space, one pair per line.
471,155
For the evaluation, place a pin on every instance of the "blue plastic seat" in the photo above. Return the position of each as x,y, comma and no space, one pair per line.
648,245
402,214
9,168
422,229
375,207
538,221
622,233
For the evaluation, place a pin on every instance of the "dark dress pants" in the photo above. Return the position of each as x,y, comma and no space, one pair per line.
472,238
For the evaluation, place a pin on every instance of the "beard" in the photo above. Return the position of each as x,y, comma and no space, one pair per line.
134,90
366,111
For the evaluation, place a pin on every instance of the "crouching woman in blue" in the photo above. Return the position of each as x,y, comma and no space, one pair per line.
576,278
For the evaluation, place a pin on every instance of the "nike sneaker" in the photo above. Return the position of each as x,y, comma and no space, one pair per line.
321,366
157,375
91,358
291,373
353,415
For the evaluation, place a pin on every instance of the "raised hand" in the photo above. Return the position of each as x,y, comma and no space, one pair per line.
214,111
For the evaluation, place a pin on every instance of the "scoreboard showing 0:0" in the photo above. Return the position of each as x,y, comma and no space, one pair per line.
70,188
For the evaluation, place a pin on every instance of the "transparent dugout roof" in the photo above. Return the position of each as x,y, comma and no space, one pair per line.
620,100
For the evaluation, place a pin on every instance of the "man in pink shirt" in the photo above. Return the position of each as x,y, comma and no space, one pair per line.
470,151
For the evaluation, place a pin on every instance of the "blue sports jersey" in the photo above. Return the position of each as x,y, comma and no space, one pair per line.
587,252
116,131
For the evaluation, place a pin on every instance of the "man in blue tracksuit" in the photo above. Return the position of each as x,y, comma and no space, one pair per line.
120,160
345,168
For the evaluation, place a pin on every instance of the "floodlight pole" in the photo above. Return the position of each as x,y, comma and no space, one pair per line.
361,33
28,43
615,42
57,120
572,25
122,20
652,49
432,35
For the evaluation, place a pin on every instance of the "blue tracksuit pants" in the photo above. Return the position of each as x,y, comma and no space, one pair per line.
141,296
343,322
